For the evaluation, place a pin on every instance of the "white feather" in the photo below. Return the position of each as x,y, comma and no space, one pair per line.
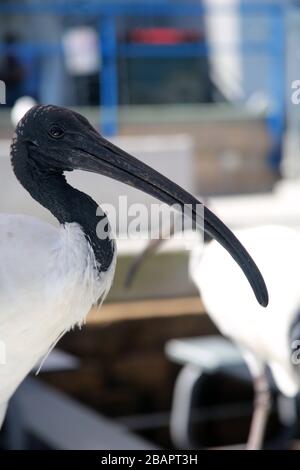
48,283
230,301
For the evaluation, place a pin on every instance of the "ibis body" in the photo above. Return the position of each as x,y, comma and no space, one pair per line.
51,277
266,336
54,285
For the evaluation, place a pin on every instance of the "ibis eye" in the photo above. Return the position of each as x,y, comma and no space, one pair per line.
56,132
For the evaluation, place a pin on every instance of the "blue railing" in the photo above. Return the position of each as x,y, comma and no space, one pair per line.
107,13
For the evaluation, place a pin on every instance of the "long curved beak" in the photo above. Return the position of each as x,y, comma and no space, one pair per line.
101,156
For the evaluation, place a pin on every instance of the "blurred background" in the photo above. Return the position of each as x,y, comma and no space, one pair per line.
202,91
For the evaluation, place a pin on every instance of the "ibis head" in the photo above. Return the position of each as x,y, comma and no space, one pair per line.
52,140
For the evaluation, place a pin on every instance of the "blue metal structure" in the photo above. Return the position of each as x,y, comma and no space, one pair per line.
108,13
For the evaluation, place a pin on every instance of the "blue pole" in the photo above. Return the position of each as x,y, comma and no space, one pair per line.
276,119
108,76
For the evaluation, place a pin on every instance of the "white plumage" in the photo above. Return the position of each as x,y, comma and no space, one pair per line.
50,275
263,334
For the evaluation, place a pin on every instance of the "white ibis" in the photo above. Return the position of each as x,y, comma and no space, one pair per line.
271,337
51,277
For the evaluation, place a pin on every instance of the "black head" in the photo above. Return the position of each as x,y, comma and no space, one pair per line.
53,136
51,140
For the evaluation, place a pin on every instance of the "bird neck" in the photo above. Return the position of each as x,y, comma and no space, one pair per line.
69,205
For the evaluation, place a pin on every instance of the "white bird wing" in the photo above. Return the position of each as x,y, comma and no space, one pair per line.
232,306
25,248
48,283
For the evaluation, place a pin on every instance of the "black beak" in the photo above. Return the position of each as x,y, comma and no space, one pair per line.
101,156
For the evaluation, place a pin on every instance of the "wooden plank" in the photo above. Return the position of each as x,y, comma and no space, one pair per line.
111,312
